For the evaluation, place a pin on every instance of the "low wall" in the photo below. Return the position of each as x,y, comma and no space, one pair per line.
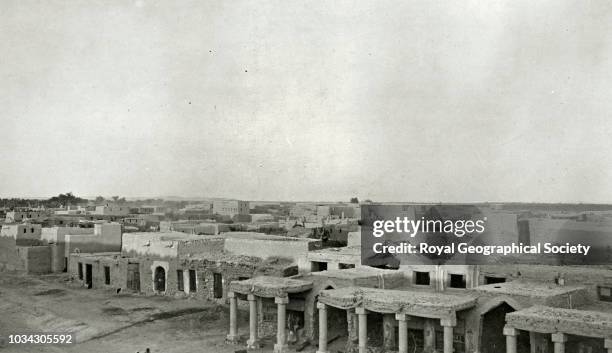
9,259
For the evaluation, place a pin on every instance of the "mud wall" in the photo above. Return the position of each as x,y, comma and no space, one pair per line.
9,259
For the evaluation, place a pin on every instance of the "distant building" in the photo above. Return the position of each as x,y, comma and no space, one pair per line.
173,263
194,227
154,209
30,248
230,207
303,210
112,210
20,216
197,212
24,233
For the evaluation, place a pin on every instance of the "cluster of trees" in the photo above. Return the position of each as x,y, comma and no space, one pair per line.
55,201
114,199
64,200
69,199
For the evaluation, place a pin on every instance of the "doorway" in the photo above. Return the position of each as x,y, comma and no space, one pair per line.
160,279
492,339
218,285
133,277
88,280
193,281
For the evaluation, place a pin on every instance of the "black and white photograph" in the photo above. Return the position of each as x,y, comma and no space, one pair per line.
314,176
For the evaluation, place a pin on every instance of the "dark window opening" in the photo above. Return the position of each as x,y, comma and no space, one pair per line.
457,281
346,266
386,267
107,275
421,278
318,266
493,280
25,230
193,281
65,264
218,285
179,280
80,270
605,294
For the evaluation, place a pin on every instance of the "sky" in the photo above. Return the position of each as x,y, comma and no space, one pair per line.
395,100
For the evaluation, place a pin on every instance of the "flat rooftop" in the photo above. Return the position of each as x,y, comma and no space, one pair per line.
263,236
99,255
269,286
230,258
530,289
356,273
339,251
417,303
170,236
547,319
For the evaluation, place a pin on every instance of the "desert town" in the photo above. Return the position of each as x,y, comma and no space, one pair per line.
287,277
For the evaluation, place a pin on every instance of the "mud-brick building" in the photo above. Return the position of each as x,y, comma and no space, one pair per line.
140,257
208,276
334,258
30,248
179,264
270,310
570,330
102,238
22,250
475,309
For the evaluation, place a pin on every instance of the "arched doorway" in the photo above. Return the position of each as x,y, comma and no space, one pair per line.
492,339
160,279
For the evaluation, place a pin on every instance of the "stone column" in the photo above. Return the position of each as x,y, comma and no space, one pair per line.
281,332
511,337
322,328
232,337
608,344
402,332
252,342
559,340
353,328
448,325
363,329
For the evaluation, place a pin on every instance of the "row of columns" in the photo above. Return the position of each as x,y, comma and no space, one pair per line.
447,324
558,339
253,342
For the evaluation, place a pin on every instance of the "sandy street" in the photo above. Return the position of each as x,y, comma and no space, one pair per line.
109,322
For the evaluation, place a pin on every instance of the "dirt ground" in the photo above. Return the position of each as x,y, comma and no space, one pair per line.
109,322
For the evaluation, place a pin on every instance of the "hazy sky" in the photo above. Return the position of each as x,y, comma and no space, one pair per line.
308,100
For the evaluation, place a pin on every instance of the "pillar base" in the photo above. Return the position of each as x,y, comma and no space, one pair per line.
252,344
231,339
322,351
281,348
